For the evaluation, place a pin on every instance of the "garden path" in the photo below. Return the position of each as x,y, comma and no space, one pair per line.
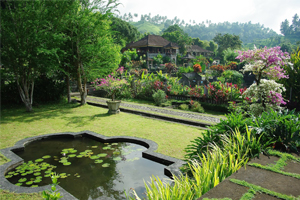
156,109
267,178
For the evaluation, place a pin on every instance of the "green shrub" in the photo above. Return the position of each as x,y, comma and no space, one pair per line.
224,127
159,97
215,107
207,171
196,107
184,107
280,127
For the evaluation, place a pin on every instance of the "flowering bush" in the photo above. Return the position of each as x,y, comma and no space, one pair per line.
196,91
265,94
170,67
197,68
110,84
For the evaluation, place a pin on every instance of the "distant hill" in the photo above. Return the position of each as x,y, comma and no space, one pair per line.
249,33
148,27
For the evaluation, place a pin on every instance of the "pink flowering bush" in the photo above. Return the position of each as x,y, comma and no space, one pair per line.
110,84
265,63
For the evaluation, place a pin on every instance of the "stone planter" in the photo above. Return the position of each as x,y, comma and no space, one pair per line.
113,107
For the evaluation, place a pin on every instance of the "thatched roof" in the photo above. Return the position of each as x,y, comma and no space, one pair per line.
151,41
172,45
196,48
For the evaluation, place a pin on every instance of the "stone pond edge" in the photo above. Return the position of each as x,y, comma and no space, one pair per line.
172,164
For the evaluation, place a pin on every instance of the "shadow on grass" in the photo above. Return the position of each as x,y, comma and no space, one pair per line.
44,112
80,121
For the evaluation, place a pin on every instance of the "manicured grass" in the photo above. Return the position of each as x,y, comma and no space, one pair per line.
14,196
16,124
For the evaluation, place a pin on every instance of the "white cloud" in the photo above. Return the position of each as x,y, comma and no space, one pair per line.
268,12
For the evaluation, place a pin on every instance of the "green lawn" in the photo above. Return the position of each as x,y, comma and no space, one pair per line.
16,124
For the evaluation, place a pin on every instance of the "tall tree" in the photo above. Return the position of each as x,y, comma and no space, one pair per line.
176,34
227,41
124,32
93,50
29,41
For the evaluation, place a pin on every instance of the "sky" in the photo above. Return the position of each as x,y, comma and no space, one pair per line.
270,13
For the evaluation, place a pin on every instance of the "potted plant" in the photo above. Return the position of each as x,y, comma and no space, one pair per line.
111,85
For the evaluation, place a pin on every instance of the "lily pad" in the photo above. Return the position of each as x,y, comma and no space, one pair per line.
117,158
37,180
39,160
94,147
114,144
72,155
105,165
73,151
23,174
116,152
47,156
37,173
48,172
101,155
94,157
33,186
29,183
21,180
67,163
8,176
106,148
19,184
98,161
47,175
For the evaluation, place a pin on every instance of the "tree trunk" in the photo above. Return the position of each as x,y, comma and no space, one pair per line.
68,88
81,86
24,93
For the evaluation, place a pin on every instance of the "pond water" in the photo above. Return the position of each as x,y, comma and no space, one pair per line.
88,168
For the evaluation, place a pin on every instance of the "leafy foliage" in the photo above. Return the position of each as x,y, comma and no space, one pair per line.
159,97
207,171
52,194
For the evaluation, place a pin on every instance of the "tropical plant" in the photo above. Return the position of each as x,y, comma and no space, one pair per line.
196,107
282,128
52,194
159,97
232,76
234,121
184,107
206,171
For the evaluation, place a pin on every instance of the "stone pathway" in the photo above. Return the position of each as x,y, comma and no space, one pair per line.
160,110
258,177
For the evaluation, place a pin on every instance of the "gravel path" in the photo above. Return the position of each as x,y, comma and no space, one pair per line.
159,110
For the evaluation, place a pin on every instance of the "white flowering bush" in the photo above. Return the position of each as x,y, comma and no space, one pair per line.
265,94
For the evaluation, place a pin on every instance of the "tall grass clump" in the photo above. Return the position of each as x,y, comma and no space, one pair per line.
207,171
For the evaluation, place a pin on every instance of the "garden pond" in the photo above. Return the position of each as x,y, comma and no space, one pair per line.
88,169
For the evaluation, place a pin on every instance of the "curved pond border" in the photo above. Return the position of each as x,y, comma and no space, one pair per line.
172,164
